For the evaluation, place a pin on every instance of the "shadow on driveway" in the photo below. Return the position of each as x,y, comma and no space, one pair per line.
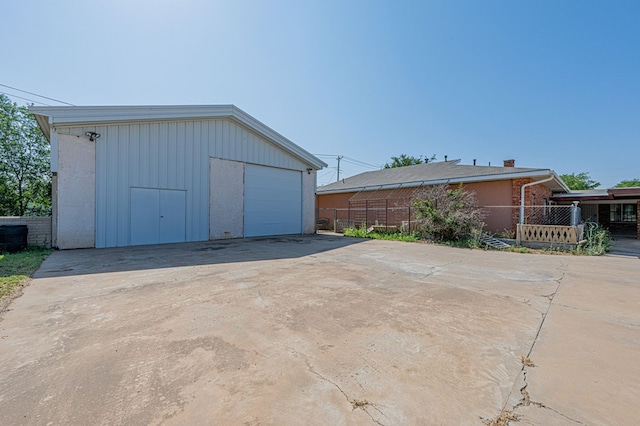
625,246
94,261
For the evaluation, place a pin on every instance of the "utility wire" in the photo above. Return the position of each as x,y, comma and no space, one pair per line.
351,160
26,99
376,166
35,94
360,163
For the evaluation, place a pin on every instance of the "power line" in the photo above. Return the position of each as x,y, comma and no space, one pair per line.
26,99
375,166
351,160
329,171
35,94
360,163
329,180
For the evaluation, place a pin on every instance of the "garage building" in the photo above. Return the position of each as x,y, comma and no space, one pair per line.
132,175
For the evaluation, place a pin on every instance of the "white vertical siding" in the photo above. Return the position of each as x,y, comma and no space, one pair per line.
169,155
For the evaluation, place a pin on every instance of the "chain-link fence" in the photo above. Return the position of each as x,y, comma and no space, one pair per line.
391,216
562,215
372,213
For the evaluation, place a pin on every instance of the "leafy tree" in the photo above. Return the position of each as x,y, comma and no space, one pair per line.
25,180
448,214
579,181
628,183
407,160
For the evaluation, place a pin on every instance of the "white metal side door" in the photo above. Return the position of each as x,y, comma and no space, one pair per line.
272,201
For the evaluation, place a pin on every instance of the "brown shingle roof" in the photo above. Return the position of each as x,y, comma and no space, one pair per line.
426,174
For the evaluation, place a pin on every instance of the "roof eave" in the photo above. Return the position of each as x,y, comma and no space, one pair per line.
468,179
48,117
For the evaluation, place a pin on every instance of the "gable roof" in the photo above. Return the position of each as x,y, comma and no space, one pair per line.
52,116
437,173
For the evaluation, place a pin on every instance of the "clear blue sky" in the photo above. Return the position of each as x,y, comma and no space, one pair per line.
552,84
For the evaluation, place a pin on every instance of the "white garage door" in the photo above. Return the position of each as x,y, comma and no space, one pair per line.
272,201
157,216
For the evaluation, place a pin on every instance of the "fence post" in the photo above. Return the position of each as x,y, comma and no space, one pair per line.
386,214
366,213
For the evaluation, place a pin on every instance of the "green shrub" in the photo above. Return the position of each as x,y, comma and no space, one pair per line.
597,240
394,235
360,232
446,214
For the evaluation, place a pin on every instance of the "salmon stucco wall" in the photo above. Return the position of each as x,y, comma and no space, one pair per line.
500,200
493,197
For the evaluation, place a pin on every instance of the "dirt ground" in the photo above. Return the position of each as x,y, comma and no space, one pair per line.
322,330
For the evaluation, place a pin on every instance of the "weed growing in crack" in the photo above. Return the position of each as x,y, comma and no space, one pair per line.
358,404
502,419
526,361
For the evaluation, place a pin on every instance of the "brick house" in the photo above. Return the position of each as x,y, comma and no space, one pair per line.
384,196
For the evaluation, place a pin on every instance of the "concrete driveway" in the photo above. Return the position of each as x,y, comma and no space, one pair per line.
322,330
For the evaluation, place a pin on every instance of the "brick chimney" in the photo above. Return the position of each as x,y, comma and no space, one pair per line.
509,163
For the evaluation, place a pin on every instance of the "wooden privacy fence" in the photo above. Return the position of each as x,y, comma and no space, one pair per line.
554,234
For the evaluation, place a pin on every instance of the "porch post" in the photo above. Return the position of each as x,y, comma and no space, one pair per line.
638,220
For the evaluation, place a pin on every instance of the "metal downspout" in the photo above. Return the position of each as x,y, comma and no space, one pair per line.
522,188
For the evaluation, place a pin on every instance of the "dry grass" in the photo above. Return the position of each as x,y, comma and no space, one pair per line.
503,419
526,361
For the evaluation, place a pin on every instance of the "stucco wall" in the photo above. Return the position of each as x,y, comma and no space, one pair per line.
309,202
75,204
226,199
495,193
39,233
492,193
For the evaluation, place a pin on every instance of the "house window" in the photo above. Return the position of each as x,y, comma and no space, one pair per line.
623,213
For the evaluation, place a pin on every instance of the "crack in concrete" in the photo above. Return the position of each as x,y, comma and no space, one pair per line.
549,296
529,304
526,401
505,415
361,404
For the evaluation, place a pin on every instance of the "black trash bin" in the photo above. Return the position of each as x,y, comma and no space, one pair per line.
13,238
